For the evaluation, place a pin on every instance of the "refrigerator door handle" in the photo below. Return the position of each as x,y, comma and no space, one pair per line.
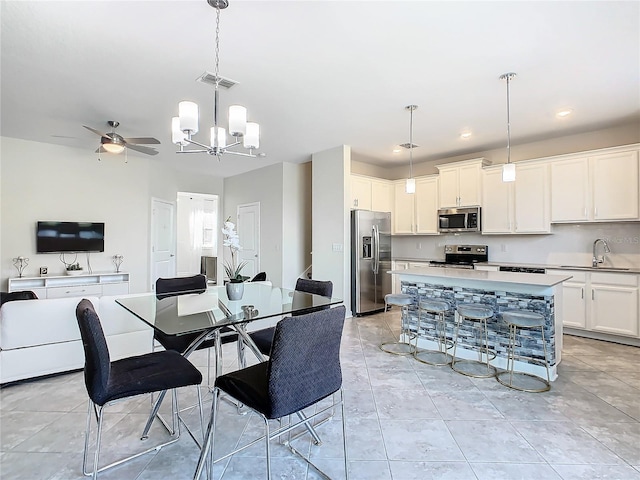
375,237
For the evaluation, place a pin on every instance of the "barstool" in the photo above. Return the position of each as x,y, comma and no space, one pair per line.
434,357
475,313
399,347
524,319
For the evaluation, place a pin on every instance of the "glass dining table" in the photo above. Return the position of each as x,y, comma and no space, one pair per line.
207,312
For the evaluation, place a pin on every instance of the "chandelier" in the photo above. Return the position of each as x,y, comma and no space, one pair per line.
508,169
185,125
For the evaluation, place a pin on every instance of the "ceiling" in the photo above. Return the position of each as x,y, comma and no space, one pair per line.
318,74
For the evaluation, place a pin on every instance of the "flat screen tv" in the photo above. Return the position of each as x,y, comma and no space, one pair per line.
54,237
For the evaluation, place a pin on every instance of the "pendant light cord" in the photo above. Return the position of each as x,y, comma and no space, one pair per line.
411,143
508,121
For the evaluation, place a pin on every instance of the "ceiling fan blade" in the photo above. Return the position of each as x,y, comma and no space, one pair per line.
141,149
144,140
95,131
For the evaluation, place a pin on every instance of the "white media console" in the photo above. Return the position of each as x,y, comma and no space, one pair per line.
93,284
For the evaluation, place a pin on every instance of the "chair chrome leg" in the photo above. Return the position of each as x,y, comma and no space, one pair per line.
267,438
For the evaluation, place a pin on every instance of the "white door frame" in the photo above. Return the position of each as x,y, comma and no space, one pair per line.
152,261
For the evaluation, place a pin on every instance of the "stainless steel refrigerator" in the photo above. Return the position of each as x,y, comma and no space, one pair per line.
370,260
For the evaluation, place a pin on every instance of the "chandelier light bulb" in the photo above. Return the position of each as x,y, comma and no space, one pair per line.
237,120
188,114
219,141
252,137
177,135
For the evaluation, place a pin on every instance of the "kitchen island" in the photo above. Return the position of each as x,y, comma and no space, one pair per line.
499,290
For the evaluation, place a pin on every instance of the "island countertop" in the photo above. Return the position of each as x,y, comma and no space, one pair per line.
514,278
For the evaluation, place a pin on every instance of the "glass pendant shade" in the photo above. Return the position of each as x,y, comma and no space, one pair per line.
221,140
113,147
252,137
188,114
509,172
237,120
410,185
177,135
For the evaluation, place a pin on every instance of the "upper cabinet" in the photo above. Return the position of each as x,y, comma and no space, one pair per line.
371,194
360,192
516,207
416,213
595,188
461,183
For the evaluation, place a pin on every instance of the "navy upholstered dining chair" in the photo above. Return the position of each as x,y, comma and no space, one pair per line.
303,369
107,381
264,337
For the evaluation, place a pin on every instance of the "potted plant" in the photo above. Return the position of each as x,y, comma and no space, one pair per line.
74,269
235,285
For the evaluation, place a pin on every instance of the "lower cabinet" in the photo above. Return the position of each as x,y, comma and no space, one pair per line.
398,265
601,302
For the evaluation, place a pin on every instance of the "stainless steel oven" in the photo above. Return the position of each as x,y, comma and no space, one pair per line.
459,219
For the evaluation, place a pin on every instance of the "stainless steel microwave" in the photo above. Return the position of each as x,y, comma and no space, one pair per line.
459,219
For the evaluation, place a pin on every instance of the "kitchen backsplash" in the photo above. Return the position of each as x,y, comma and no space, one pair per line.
567,245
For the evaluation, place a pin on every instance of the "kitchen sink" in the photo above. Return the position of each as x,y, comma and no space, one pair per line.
620,269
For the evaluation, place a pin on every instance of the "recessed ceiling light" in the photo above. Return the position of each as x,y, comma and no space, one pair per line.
465,135
397,150
564,113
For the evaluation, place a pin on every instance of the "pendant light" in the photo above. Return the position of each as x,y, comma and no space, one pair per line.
410,185
508,169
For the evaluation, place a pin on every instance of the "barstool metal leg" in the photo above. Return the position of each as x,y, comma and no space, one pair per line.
399,347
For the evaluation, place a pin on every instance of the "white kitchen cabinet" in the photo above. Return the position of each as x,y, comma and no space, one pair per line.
601,302
461,183
574,299
398,265
381,196
516,207
596,187
497,202
360,192
615,186
369,193
416,213
614,303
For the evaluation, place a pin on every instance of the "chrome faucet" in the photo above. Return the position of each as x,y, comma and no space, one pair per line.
595,261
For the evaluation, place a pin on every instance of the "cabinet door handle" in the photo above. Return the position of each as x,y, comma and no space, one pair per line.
585,212
592,295
582,293
595,212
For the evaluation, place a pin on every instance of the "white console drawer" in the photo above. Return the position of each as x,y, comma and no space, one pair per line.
74,291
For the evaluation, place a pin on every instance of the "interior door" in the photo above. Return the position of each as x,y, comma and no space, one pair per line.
163,240
249,233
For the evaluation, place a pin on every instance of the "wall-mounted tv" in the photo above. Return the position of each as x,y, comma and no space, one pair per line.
54,237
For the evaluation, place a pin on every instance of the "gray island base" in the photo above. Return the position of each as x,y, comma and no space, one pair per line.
500,291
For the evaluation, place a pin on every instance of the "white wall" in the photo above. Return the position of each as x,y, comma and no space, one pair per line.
265,186
330,213
41,181
296,224
567,245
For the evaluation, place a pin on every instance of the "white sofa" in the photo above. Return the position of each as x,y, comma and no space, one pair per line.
41,337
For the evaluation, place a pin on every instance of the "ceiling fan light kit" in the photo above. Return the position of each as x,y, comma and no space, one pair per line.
185,125
115,143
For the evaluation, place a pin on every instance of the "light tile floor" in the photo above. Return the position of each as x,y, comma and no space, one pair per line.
405,421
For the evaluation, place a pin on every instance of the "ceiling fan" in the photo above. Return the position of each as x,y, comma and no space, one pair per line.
114,143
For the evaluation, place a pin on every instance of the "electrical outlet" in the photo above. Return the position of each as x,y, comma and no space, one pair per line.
337,247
